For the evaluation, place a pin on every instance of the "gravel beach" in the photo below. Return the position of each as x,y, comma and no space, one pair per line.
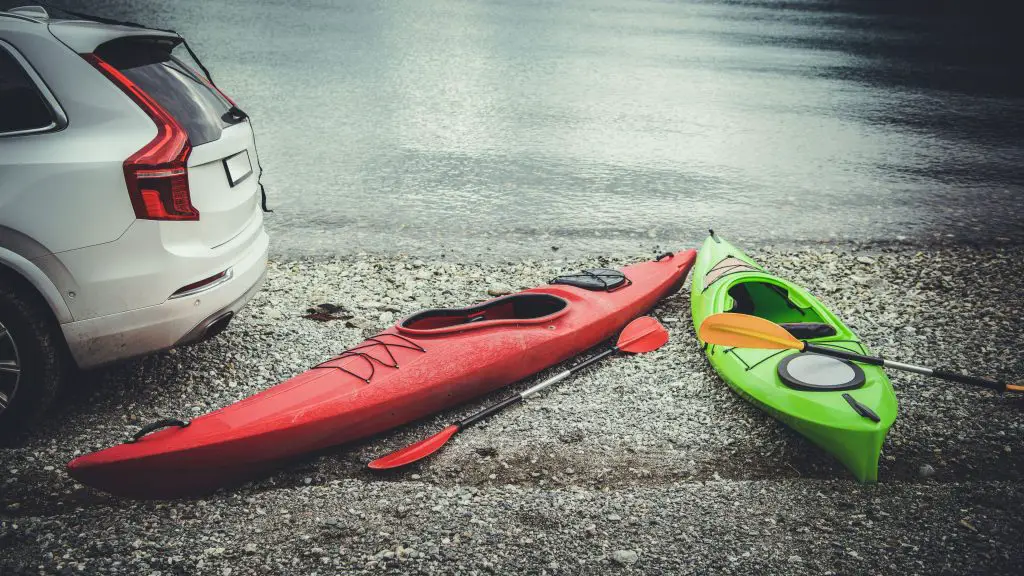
645,464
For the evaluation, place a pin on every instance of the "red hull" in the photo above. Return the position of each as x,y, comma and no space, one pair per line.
441,363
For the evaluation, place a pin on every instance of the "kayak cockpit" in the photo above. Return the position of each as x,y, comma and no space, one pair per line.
758,297
524,308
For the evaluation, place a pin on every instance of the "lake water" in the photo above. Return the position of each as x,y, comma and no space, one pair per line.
505,128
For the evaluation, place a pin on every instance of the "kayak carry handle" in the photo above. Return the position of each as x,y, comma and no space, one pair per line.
154,426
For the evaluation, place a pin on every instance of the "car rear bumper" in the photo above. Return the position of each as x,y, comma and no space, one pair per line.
176,321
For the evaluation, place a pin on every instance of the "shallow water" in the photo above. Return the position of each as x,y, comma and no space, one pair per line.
510,127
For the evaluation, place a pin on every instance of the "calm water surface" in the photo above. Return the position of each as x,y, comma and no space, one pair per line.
510,127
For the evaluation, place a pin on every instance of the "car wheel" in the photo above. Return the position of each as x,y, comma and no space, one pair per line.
33,362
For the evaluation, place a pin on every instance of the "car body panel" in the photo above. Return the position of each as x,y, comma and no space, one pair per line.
224,210
154,260
104,128
105,339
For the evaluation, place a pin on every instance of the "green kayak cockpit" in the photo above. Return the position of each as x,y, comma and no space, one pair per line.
758,297
773,302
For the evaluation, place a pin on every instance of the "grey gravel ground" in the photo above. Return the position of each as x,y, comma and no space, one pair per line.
645,464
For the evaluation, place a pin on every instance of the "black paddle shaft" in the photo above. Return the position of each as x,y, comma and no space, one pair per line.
494,408
965,379
936,372
844,354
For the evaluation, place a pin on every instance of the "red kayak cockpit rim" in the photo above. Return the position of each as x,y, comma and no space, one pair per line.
518,309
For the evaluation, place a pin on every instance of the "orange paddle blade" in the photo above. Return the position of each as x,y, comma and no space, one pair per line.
745,331
414,452
642,335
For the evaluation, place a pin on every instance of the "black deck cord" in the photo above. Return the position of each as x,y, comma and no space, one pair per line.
234,110
154,426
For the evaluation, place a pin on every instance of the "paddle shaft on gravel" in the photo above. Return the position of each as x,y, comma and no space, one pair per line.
745,331
641,335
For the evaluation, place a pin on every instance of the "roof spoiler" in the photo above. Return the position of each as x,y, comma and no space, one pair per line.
114,22
37,13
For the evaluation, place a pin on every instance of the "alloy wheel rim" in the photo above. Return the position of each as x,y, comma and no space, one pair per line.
10,368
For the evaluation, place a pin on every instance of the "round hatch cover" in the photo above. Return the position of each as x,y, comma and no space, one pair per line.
596,279
809,371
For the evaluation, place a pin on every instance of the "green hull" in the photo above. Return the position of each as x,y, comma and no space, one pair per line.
727,280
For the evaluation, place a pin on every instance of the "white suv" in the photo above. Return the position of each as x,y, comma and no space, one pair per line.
130,214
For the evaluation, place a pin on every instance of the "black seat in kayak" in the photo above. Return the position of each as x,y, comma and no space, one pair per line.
809,330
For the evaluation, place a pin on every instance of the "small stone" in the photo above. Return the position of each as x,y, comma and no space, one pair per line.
794,559
499,289
358,323
865,260
614,517
926,471
625,557
424,275
418,263
273,314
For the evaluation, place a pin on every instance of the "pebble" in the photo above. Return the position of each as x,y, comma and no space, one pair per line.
926,471
499,289
625,557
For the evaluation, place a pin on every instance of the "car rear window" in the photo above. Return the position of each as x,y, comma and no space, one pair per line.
157,68
22,107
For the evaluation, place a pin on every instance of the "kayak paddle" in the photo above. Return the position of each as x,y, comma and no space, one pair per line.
641,335
745,331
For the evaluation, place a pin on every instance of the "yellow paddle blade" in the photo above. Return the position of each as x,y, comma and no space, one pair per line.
745,331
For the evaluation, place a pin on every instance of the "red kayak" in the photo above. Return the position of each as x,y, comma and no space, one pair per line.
431,361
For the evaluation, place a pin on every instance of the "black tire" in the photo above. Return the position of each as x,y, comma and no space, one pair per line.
41,352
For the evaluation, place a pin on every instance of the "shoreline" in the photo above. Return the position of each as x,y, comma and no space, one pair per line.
535,245
652,465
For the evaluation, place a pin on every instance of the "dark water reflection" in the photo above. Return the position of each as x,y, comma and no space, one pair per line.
596,126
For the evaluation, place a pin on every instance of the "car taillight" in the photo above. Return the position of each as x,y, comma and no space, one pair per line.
156,175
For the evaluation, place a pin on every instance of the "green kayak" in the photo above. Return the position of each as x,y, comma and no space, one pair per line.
843,407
